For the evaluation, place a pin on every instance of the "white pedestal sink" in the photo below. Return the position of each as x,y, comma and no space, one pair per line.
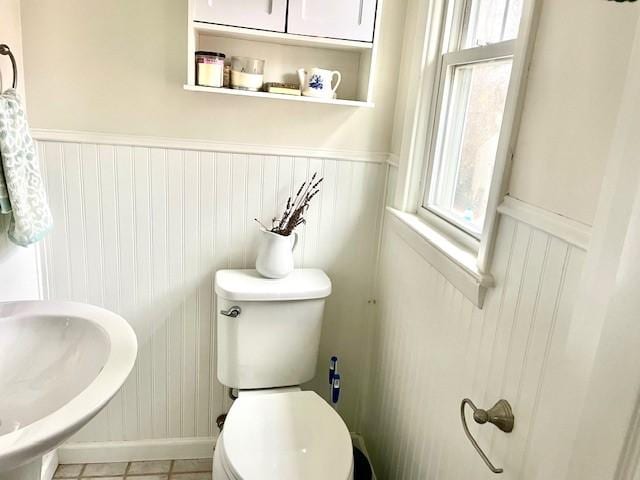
60,363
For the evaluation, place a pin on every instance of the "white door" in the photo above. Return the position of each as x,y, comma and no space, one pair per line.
344,19
259,14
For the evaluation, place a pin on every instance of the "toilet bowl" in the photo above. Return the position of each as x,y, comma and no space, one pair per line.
268,335
283,435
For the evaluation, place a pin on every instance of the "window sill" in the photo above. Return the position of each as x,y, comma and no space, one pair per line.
455,262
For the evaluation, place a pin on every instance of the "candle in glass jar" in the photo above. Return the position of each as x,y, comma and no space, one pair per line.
209,69
246,81
247,73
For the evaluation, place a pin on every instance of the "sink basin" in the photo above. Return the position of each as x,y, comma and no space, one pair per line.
60,364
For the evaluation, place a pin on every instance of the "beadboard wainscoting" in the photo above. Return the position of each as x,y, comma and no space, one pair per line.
432,348
142,228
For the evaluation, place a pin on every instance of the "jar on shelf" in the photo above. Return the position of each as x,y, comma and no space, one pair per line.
227,76
209,69
247,73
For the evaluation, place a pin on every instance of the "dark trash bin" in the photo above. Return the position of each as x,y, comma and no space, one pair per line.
361,466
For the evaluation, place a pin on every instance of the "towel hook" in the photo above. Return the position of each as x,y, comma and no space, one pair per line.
500,415
5,50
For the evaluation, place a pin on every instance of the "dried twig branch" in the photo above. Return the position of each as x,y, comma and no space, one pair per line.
295,209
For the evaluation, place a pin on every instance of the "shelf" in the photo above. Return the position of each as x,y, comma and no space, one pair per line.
276,96
280,38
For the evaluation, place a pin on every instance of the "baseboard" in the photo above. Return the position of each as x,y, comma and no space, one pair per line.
140,450
129,451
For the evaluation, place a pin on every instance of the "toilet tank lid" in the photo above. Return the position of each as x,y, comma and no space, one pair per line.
249,285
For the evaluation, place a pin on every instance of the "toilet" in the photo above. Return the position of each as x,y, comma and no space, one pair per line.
268,339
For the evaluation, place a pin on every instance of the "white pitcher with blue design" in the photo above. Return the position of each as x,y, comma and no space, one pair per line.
317,82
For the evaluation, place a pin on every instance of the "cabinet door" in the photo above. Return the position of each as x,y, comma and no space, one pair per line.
259,14
344,19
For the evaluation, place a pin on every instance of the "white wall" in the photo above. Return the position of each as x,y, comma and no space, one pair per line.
119,66
574,90
142,230
11,28
18,266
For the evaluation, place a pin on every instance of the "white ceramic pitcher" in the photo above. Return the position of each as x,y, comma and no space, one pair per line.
275,254
317,82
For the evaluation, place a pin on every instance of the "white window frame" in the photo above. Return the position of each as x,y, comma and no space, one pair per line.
482,54
417,138
453,54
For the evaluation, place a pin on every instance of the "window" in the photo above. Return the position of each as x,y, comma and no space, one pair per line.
470,95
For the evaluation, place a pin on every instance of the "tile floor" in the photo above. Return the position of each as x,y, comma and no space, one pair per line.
196,469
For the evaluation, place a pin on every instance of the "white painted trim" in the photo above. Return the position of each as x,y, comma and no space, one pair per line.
423,50
278,96
440,221
629,463
393,160
192,41
373,62
567,229
482,53
72,136
158,449
49,465
510,127
453,261
142,450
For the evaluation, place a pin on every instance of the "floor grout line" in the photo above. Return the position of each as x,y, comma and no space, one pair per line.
127,475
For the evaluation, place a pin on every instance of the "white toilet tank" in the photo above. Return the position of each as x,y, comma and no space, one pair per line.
269,330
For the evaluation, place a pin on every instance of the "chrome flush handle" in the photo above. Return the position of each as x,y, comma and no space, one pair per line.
232,312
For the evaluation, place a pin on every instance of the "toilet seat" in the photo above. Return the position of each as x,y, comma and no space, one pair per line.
285,436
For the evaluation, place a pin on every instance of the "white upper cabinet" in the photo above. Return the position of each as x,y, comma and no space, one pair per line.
260,14
344,19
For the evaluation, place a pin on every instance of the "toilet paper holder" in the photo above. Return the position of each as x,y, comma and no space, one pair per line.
499,415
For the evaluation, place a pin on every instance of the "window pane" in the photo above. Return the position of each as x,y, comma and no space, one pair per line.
512,23
465,156
492,21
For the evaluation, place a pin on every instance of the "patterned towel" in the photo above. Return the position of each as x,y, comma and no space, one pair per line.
21,190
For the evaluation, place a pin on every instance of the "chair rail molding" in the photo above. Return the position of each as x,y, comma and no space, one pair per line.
571,231
115,139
